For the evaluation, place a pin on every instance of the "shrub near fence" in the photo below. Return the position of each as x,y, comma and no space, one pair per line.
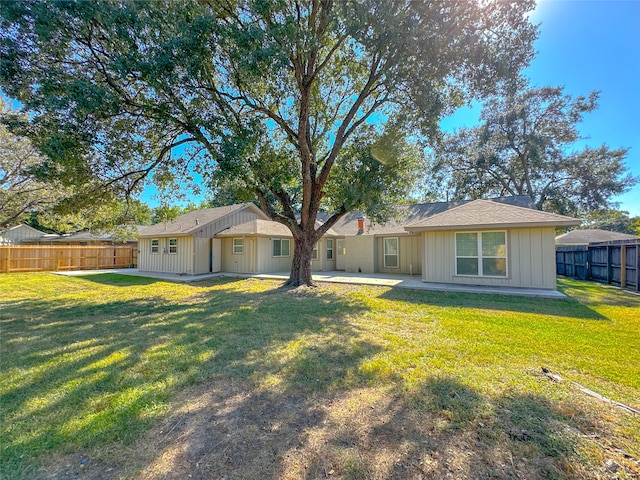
39,258
616,262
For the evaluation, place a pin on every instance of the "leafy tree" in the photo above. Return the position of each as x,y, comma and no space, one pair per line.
525,145
612,220
274,94
21,192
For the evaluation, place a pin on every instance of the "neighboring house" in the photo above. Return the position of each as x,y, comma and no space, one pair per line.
24,234
502,241
96,238
587,236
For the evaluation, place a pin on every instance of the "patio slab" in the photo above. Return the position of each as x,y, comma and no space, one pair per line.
381,279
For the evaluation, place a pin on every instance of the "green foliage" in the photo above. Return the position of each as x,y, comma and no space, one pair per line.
526,146
266,97
612,220
21,191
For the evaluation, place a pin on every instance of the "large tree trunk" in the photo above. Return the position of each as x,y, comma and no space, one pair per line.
301,265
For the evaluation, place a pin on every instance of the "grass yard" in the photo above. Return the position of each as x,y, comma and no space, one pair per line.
110,376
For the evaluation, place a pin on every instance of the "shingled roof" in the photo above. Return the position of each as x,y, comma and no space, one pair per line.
587,236
489,214
409,214
257,227
191,222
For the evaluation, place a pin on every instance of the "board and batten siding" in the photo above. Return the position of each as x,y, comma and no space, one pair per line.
213,228
530,259
202,255
163,261
409,253
238,262
267,263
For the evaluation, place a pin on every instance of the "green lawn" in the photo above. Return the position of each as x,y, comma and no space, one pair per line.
134,377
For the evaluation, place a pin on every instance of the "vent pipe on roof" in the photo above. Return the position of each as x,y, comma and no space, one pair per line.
197,222
361,225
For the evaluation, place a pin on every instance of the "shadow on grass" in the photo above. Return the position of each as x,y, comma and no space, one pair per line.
569,307
80,374
247,384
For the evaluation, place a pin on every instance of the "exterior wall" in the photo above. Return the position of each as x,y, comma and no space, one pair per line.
163,261
266,262
361,254
202,255
530,259
239,263
22,233
409,253
216,227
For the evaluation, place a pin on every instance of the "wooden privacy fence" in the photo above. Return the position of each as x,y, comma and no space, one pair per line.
32,258
616,262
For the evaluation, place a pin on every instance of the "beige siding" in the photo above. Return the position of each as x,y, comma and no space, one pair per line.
361,254
409,252
202,257
530,259
20,234
214,228
267,263
163,261
239,263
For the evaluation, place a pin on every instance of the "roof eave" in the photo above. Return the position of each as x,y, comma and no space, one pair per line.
488,226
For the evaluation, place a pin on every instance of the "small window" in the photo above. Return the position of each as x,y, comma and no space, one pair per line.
329,249
173,245
238,246
155,245
281,247
314,253
482,254
391,252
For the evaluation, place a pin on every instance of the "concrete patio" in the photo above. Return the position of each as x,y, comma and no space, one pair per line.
381,279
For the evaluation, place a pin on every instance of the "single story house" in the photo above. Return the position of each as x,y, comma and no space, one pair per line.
25,235
587,236
501,241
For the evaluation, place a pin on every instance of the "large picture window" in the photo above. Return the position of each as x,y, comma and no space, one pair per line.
391,253
238,246
281,247
482,254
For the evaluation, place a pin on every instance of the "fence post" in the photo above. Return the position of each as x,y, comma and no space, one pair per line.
623,266
7,269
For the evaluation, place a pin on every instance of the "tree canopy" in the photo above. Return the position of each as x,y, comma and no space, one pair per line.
526,144
299,102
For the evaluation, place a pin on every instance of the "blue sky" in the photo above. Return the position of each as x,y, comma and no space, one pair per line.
587,45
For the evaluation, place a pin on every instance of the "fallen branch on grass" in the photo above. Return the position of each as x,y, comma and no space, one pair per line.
586,391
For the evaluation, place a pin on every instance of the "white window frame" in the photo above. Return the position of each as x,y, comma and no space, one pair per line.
156,246
329,248
236,250
273,246
480,256
314,252
173,249
385,254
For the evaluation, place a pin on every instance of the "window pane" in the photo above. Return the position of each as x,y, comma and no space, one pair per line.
494,244
494,267
391,246
391,260
276,247
285,247
467,245
467,266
